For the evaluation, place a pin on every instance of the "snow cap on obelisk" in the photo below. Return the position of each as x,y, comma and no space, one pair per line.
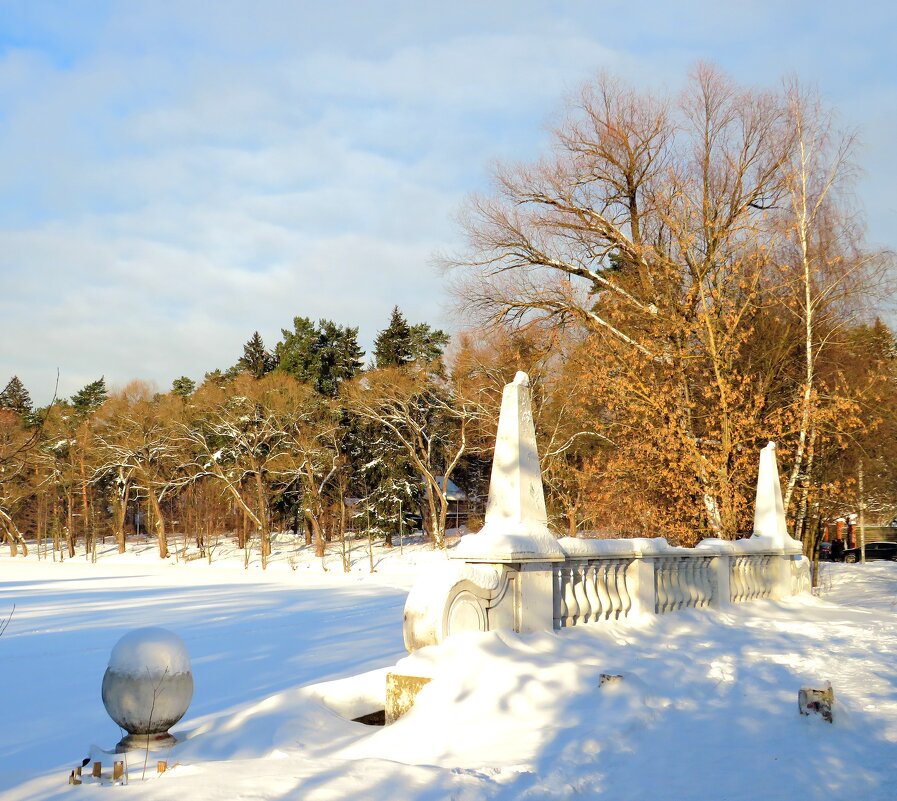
769,509
516,523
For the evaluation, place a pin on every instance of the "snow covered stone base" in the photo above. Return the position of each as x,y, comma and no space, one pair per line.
401,691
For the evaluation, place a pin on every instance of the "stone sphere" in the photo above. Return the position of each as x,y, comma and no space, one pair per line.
148,685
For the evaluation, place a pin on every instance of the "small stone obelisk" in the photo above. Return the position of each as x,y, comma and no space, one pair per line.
516,497
769,509
516,525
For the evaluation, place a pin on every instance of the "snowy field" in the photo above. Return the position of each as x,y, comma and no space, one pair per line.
707,708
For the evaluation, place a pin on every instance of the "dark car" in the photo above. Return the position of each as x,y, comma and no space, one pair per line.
825,552
874,550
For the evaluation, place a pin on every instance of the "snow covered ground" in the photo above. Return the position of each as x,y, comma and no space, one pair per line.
707,708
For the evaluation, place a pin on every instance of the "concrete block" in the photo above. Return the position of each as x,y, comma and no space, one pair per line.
401,692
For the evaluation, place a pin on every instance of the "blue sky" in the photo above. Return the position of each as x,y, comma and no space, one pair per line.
174,176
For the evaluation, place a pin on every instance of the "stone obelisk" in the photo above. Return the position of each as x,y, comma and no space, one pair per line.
516,526
769,509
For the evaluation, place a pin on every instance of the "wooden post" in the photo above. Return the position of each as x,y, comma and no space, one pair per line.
97,770
162,766
118,769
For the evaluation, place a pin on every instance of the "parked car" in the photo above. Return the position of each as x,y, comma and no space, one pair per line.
874,550
825,551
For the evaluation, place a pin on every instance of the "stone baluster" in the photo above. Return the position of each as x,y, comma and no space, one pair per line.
707,582
601,588
737,579
623,585
560,605
660,591
592,593
680,565
570,596
697,586
579,592
694,593
613,591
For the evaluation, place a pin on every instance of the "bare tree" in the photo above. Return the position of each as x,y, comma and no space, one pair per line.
430,418
141,445
656,228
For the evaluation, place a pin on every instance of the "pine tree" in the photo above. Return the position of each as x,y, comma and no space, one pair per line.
216,378
392,347
323,355
91,397
16,397
183,386
256,359
385,481
427,344
399,344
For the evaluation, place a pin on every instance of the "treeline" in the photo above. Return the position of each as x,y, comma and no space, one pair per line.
347,450
297,437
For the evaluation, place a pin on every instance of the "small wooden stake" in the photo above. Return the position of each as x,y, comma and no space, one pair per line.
97,770
162,766
118,768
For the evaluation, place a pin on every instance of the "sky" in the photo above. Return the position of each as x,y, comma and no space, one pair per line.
177,175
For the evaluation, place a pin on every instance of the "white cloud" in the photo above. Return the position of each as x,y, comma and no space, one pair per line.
172,179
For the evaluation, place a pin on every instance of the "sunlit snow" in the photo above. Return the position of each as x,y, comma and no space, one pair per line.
283,659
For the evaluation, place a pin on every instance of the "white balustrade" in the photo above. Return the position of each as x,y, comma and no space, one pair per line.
752,577
684,582
591,592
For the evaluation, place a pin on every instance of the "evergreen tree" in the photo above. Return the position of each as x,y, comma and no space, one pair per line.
400,344
392,347
427,344
216,377
183,386
323,355
256,359
91,397
384,481
16,397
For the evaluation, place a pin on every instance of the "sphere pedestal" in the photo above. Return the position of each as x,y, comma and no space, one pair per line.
145,742
148,687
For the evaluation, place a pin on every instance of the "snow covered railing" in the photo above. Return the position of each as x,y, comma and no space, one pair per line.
597,582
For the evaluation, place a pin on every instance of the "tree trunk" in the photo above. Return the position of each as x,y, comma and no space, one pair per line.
85,507
120,512
264,523
70,530
801,516
159,522
318,534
